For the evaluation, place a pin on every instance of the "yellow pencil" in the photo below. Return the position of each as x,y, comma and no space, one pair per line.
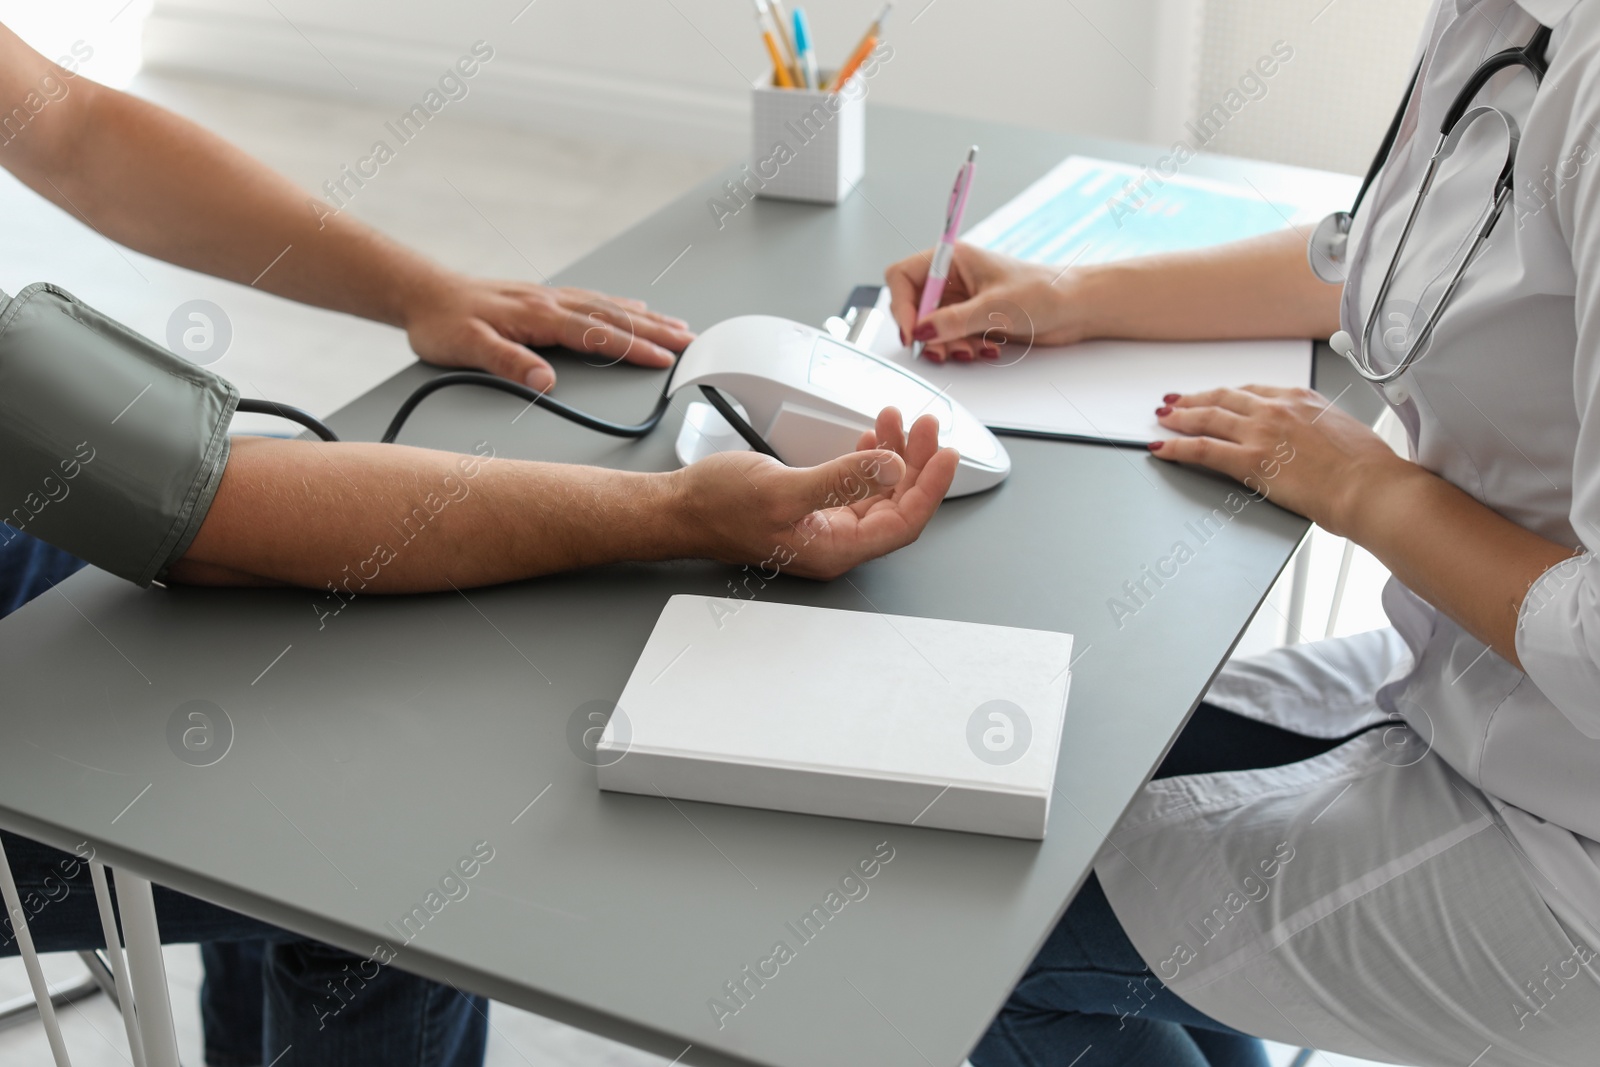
780,69
863,50
780,19
780,62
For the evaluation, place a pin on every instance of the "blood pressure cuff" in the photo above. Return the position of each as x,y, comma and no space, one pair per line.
111,447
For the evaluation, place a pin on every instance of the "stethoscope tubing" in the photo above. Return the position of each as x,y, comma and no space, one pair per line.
1328,248
1361,357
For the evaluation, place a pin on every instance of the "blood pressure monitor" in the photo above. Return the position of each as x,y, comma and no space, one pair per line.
807,395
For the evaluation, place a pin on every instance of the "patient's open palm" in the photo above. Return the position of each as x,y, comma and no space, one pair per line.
819,522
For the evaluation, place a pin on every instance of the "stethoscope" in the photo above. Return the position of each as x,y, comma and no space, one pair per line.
1329,245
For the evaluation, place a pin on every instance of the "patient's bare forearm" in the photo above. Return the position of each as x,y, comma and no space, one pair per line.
158,183
1260,287
389,519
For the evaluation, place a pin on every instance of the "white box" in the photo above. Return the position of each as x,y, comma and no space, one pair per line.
844,713
806,144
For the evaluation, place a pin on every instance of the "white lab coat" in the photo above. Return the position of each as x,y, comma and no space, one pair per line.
1429,893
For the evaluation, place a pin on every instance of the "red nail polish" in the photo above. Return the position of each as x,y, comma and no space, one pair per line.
1172,398
1163,411
990,352
1155,446
926,331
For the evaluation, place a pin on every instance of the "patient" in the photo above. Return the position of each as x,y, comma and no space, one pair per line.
297,512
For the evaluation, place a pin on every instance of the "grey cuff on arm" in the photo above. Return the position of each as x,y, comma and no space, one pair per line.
111,447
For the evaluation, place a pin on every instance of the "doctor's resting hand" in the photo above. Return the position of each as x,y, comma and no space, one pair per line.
1290,446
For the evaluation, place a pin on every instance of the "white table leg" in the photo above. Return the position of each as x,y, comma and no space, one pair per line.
30,960
147,972
119,963
1339,587
1300,575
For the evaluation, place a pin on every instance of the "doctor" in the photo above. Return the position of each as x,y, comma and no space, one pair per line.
1388,845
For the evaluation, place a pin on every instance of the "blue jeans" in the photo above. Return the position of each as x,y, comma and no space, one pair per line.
266,991
28,567
1088,999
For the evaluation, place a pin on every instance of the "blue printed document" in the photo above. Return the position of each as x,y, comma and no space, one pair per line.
1093,210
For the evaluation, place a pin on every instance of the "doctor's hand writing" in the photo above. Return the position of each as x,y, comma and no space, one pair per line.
1290,446
818,522
989,300
459,321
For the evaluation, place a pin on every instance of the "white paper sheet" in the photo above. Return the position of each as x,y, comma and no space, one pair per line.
1103,390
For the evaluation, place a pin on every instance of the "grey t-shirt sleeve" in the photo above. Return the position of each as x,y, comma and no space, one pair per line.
111,447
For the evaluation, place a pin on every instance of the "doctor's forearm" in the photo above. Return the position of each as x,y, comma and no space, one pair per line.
1260,287
1465,559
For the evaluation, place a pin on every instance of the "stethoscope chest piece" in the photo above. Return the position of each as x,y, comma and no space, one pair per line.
1329,246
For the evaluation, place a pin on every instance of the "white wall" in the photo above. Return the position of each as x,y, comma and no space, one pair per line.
677,71
674,72
106,33
1327,107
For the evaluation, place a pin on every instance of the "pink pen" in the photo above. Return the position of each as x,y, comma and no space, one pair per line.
945,251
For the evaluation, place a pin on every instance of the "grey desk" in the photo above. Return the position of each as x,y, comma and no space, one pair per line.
372,752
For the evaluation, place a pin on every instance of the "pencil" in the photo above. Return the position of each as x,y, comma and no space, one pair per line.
780,69
780,62
781,20
863,50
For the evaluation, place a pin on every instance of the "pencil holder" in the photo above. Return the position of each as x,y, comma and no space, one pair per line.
807,144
